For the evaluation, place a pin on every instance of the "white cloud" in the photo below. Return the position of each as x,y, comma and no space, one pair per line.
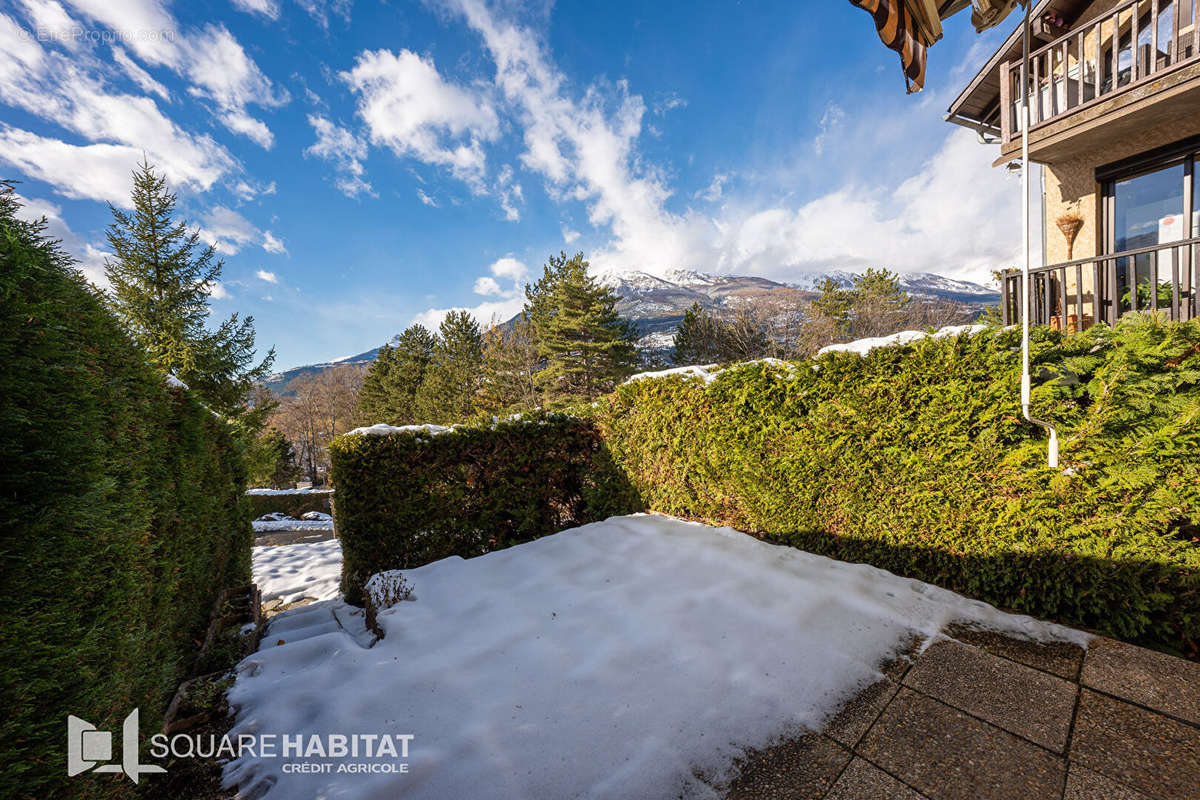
269,277
52,22
345,150
224,74
321,9
272,244
247,191
408,107
486,313
217,291
510,297
123,127
487,286
510,193
585,148
139,76
228,231
90,256
268,8
426,199
715,189
953,215
569,235
144,25
831,120
510,268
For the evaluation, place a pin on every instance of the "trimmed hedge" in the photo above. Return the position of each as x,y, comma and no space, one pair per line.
291,504
123,516
915,459
406,499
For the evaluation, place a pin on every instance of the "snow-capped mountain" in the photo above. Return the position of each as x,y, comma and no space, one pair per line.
657,303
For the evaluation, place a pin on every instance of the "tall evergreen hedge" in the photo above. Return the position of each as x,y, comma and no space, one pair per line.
915,459
406,499
122,516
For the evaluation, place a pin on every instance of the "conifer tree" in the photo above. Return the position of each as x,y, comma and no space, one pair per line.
450,389
161,279
877,302
586,347
696,338
411,356
373,398
832,308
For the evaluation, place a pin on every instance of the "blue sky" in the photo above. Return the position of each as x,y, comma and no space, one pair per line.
364,164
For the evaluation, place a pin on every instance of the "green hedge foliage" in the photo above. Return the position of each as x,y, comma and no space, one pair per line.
406,499
122,516
915,459
291,504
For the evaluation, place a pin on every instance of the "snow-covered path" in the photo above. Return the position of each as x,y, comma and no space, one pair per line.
634,657
294,572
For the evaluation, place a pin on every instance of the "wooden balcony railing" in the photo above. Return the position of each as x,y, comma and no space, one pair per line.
1096,60
1077,294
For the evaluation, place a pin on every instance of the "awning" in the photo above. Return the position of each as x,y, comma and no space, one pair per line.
911,26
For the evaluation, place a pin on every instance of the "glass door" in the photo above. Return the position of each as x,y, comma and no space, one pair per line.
1143,211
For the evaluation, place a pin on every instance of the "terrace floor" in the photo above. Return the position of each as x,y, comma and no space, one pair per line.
981,715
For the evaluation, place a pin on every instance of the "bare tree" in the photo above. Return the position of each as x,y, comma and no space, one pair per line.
314,409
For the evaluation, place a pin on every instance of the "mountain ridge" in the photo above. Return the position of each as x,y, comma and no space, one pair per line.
658,303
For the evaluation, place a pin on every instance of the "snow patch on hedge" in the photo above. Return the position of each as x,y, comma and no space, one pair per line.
864,346
706,372
381,429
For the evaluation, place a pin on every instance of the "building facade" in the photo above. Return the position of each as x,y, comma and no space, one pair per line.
1114,96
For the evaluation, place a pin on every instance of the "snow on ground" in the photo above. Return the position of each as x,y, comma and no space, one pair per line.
289,491
621,659
293,572
290,524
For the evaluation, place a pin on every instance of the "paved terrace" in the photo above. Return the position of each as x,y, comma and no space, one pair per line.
982,716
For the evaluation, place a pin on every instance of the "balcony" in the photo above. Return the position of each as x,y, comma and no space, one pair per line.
1077,294
1095,74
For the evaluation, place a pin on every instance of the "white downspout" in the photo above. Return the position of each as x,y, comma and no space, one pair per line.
1052,457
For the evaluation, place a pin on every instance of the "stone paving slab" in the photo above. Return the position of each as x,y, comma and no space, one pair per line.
803,768
856,717
862,780
984,716
1155,680
1154,754
1058,658
1012,696
948,755
1083,784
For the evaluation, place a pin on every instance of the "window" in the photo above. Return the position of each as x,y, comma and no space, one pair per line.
1144,209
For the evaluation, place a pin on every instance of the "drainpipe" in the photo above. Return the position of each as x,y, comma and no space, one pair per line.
1052,457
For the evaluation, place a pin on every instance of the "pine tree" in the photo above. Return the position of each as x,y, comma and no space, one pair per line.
510,361
373,399
410,360
585,345
696,341
450,389
832,308
878,300
271,461
161,279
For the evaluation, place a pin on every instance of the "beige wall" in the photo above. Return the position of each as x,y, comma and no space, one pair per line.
1074,180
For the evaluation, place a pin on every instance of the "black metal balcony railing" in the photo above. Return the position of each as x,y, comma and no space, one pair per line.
1136,42
1077,294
